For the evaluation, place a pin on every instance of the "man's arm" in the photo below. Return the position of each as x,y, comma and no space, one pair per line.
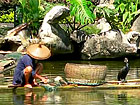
41,78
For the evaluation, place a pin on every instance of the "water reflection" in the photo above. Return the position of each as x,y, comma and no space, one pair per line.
36,98
26,98
98,97
58,97
122,98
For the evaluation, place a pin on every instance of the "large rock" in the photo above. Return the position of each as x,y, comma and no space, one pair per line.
103,25
56,14
52,34
110,44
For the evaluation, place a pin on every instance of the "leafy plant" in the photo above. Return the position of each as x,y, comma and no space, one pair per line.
30,10
80,14
7,16
128,10
81,11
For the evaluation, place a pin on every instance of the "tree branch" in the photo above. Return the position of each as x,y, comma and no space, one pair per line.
69,24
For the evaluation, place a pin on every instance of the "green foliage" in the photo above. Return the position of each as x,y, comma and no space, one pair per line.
44,8
91,29
30,10
128,10
81,11
7,16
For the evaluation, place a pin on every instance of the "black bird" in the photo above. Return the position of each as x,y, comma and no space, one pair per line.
124,71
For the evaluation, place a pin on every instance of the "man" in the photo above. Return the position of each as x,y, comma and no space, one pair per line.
27,71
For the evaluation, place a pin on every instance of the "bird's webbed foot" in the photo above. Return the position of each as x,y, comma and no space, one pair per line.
123,81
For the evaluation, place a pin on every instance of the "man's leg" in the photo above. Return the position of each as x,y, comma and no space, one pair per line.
27,73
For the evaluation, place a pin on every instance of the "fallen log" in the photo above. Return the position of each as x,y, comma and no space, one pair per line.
17,29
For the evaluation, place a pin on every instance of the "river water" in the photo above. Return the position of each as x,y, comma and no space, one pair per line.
79,97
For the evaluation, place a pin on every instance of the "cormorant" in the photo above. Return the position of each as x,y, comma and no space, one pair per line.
124,71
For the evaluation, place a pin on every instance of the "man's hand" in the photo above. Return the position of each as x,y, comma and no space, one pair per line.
45,80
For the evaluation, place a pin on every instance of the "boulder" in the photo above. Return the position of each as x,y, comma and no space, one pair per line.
103,25
52,34
110,44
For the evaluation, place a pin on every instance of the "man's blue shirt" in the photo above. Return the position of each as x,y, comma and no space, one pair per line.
25,61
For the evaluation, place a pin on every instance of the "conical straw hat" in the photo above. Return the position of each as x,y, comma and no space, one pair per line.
38,51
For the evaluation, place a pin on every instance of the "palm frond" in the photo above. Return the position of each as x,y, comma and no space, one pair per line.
80,9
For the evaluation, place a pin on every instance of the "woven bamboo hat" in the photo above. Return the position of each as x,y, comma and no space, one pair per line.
38,51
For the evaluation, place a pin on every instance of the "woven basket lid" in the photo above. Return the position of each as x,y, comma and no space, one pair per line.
38,51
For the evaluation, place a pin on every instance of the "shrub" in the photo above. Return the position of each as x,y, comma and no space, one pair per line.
7,16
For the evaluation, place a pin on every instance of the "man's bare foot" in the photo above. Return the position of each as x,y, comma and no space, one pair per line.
1,68
28,86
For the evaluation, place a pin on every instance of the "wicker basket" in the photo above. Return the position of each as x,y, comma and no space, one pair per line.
85,74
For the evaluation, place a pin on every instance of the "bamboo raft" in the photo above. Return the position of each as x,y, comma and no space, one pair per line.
110,85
